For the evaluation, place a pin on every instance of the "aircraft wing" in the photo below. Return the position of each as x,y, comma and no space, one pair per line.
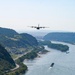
43,27
33,26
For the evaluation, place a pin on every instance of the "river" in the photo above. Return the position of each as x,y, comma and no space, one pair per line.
64,63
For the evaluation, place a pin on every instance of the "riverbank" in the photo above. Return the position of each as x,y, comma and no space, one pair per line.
60,47
18,70
22,68
35,53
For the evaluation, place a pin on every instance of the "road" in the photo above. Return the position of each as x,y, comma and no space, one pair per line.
21,55
17,66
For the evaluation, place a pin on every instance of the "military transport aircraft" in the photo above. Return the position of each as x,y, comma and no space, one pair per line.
37,27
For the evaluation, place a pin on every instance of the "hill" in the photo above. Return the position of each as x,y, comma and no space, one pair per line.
6,62
68,37
15,42
60,47
29,39
7,32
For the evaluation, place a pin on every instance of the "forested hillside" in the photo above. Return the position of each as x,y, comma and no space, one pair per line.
6,62
15,42
68,37
60,47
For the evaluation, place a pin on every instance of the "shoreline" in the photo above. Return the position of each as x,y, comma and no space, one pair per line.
35,59
21,64
39,55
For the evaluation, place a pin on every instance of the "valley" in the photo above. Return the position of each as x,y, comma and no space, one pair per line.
25,46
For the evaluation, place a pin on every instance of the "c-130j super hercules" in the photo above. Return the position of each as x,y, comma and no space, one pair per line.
37,27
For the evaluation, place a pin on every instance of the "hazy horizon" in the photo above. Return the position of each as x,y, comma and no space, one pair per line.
59,15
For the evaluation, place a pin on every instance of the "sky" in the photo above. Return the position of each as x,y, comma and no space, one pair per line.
55,14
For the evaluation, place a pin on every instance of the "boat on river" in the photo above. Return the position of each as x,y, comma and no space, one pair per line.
52,65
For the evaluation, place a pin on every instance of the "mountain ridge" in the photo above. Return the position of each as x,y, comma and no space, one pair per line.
68,37
13,41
